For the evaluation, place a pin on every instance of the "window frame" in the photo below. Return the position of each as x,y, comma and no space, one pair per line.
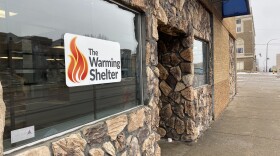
205,53
238,21
240,48
238,29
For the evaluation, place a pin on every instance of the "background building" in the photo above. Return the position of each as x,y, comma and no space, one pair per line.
245,43
278,63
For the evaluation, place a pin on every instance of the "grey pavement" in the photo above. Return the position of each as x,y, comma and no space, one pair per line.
250,125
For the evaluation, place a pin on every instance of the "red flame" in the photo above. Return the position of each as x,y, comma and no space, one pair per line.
78,67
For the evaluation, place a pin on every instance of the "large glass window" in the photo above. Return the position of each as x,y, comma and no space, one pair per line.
32,69
200,63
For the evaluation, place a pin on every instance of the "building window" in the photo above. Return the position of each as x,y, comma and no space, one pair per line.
32,69
240,65
238,29
240,46
240,50
200,63
238,21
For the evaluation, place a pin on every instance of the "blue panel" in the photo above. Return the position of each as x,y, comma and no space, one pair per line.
235,8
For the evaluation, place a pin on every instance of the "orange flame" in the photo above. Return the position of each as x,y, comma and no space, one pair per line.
78,67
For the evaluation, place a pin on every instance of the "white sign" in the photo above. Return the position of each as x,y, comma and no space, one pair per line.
91,61
22,134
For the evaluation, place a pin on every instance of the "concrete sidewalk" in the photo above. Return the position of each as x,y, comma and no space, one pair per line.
249,126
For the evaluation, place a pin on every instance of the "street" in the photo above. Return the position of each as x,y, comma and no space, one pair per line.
249,126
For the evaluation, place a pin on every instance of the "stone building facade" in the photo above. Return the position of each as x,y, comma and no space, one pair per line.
245,43
173,107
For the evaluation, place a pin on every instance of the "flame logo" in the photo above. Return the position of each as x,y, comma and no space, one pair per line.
78,67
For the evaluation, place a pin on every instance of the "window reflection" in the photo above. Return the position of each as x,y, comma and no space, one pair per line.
32,69
200,63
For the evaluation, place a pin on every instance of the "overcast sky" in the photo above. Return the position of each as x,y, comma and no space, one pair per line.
267,24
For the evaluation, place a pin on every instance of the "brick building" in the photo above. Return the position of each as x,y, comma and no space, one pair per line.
245,43
178,75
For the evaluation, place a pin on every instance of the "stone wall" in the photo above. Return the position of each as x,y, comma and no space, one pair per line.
248,35
127,134
2,118
232,68
184,111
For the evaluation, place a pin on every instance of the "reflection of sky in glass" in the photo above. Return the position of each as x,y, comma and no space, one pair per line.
197,52
53,18
199,68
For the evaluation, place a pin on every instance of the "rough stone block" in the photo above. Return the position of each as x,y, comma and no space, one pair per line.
139,3
116,125
156,71
71,145
154,28
161,15
161,47
190,127
175,46
175,96
187,55
171,122
174,59
180,4
166,60
173,134
166,112
109,148
161,131
120,142
176,72
156,3
157,150
150,75
187,67
188,93
188,41
179,110
96,152
148,145
179,86
190,109
179,126
165,88
2,119
171,81
188,80
95,134
163,73
188,137
39,151
143,134
136,120
148,53
133,146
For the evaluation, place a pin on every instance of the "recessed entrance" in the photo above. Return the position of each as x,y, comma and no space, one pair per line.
176,73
